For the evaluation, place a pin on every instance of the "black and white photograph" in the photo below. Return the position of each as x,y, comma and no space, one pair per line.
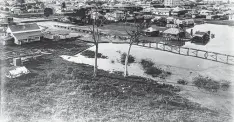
116,60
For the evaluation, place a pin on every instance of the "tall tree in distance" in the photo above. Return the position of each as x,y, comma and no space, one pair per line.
63,6
48,12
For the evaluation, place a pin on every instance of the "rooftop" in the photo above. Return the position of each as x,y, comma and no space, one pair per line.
24,27
25,35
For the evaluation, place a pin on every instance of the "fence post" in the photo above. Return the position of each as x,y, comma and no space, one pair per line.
206,54
150,44
179,49
216,57
163,46
227,58
188,51
156,45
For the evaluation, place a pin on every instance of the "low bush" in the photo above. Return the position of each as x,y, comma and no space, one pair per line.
225,85
146,63
131,59
153,71
112,61
150,69
182,81
91,54
206,83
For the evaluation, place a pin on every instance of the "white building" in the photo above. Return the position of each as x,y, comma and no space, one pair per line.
25,33
172,3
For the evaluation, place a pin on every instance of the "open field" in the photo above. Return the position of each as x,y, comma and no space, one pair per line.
61,91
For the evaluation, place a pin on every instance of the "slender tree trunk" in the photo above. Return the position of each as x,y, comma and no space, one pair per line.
126,61
95,62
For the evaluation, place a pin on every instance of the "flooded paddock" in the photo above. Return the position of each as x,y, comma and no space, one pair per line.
222,42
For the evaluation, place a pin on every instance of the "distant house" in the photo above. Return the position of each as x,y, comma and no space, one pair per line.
25,33
116,15
151,31
162,11
205,12
178,11
184,22
173,33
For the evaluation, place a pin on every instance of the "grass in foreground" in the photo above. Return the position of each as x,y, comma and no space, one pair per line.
68,92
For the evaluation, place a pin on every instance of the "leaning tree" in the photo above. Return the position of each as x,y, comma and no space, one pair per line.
135,33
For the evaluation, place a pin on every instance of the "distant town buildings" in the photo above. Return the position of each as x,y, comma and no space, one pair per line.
172,3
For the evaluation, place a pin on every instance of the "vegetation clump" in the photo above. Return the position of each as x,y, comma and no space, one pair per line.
225,85
150,69
91,54
210,84
131,59
182,81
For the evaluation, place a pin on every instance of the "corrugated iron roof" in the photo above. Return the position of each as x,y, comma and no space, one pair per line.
173,31
24,27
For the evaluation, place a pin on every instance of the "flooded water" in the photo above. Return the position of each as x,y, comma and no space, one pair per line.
180,65
223,41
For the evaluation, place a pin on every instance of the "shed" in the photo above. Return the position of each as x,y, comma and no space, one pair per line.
151,31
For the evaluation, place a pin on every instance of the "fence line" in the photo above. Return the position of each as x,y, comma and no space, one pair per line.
203,54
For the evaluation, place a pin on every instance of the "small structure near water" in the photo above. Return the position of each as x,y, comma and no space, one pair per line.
174,33
201,37
151,31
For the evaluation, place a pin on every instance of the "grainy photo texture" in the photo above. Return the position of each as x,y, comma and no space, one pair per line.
116,60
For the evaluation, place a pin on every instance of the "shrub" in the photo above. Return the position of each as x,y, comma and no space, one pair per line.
182,81
146,63
131,59
206,83
91,54
154,71
225,85
149,69
112,61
